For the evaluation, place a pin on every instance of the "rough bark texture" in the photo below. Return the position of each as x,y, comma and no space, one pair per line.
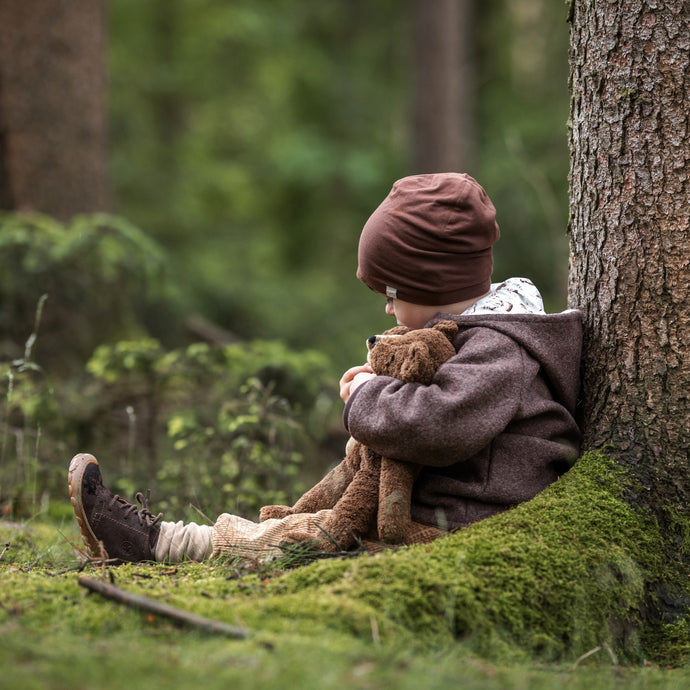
52,123
629,220
444,87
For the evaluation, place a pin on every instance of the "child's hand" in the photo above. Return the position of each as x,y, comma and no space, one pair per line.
354,377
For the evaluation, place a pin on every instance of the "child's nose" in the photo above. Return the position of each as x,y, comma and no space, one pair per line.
390,307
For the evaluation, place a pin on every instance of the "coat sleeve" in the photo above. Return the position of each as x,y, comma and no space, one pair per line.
471,400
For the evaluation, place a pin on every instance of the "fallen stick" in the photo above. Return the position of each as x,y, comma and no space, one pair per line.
143,604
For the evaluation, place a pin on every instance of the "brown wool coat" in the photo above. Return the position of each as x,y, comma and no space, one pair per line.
495,426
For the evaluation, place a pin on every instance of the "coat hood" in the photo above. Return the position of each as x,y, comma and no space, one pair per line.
554,340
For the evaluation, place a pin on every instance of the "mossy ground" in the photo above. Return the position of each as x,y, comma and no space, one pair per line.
511,602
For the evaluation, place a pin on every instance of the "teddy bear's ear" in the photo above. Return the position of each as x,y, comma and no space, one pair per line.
417,365
397,330
448,328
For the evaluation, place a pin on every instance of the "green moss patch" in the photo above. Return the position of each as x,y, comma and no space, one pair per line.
551,580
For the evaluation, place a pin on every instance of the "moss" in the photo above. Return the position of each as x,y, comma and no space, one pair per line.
574,569
553,578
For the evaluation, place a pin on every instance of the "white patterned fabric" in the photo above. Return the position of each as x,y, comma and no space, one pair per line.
512,296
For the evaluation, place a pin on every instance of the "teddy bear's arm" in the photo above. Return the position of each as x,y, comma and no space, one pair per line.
395,498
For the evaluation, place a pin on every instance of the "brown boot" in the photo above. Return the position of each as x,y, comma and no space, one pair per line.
111,527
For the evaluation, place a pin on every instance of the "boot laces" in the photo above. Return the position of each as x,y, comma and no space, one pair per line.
143,514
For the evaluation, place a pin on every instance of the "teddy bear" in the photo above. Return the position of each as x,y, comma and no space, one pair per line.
369,495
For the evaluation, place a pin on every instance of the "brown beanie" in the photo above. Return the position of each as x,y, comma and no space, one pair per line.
429,242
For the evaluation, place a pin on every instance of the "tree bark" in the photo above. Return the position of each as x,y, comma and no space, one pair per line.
52,122
444,85
629,220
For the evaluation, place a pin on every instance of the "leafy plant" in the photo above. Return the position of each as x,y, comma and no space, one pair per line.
96,273
248,456
227,427
27,404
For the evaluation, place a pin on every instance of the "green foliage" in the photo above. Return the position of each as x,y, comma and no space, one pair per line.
254,139
227,427
544,596
523,103
250,452
96,272
27,405
126,358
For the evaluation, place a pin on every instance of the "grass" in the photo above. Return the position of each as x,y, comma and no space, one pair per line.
463,611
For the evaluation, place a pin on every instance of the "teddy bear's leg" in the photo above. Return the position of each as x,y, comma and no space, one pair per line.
330,489
274,512
326,493
354,514
395,497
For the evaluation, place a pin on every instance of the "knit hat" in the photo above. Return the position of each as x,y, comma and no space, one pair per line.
429,242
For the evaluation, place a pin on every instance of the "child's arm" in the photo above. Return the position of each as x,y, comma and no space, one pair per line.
470,401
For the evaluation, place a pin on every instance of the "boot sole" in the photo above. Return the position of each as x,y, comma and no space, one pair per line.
75,477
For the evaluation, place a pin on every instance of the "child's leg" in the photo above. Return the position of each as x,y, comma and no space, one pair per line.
235,536
113,528
178,542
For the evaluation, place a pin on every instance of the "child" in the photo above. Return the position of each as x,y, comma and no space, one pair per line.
494,428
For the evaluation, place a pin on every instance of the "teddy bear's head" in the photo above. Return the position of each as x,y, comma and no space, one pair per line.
412,355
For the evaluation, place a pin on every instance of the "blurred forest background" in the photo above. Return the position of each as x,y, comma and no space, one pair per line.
188,298
252,140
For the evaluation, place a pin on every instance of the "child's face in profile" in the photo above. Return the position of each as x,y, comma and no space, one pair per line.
408,314
418,315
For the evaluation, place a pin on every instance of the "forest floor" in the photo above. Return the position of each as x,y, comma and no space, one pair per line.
56,634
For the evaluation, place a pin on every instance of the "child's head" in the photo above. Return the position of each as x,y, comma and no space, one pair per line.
429,243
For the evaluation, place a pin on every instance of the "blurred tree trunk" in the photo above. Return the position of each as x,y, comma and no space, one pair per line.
52,122
444,85
629,192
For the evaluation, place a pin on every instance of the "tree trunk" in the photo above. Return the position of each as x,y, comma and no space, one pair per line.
444,88
629,220
52,123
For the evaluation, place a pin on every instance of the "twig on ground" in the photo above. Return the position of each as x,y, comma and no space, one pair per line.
331,538
143,604
584,656
7,546
606,646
